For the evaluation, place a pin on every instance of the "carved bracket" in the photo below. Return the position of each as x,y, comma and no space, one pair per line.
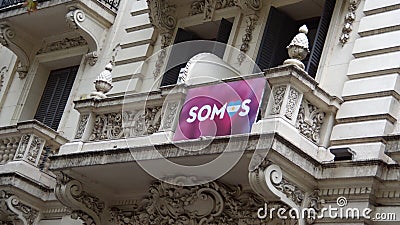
348,21
90,29
267,181
9,39
83,205
16,210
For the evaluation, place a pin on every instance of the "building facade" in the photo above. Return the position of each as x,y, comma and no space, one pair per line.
91,93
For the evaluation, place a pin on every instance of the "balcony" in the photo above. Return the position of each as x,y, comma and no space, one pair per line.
55,26
25,151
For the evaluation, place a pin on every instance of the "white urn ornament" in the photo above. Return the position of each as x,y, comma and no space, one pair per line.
103,83
298,48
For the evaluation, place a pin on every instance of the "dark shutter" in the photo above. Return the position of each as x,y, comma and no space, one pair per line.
55,96
278,32
171,75
224,32
320,37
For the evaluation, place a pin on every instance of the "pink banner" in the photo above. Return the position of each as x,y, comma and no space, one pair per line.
220,109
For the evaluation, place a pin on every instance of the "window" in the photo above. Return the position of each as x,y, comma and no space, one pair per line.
215,31
55,96
283,24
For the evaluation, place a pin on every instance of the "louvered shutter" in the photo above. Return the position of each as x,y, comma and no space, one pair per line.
171,76
223,34
278,32
55,96
323,27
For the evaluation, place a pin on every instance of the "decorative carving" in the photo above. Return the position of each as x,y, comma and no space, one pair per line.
251,21
3,70
143,122
278,96
81,126
198,7
23,146
35,150
8,148
107,126
170,204
298,48
293,98
17,211
103,83
92,58
209,9
166,39
65,43
249,5
348,21
130,124
309,121
162,15
74,17
30,148
90,29
9,40
169,115
83,205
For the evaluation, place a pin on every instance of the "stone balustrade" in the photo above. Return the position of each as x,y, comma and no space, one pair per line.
31,142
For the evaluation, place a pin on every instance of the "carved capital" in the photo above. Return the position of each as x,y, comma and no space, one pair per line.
162,15
8,38
16,210
83,205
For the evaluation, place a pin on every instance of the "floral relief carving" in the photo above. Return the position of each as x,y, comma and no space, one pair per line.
293,98
278,96
169,115
3,71
251,22
65,43
198,7
128,124
23,146
16,211
170,204
81,126
309,121
35,149
348,21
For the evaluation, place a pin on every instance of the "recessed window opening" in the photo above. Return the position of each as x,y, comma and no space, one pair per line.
213,31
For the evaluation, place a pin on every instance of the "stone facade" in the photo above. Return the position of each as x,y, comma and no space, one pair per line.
332,140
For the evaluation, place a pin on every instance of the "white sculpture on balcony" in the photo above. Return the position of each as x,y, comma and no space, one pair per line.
103,83
298,48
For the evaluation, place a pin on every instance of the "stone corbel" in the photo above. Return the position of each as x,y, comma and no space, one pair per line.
267,180
16,210
9,39
92,30
83,205
162,16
